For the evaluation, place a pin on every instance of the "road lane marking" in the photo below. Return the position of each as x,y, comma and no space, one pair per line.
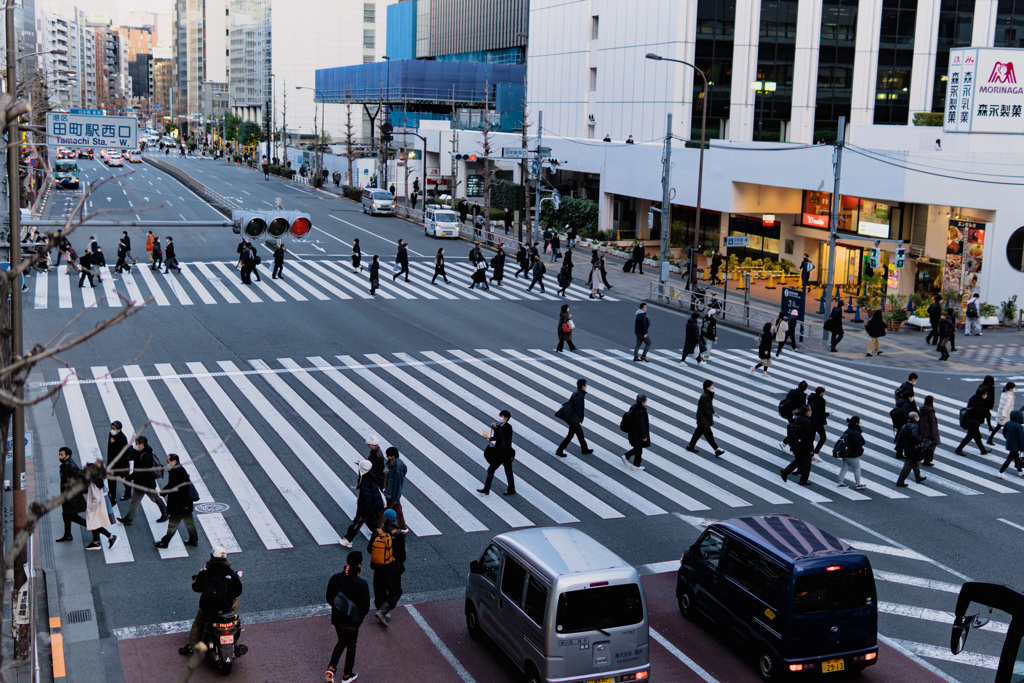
1004,521
415,253
448,655
678,654
917,650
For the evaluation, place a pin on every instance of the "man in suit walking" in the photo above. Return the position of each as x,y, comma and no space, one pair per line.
402,259
179,503
501,454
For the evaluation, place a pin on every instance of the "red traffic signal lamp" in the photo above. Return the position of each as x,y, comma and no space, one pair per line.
463,157
276,223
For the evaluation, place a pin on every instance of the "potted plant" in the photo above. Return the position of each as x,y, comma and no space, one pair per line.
896,312
1009,310
988,315
871,298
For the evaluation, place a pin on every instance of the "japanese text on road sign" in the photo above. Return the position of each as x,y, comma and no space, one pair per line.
83,130
737,241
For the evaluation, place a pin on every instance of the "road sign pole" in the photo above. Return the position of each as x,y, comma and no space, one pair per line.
834,224
540,169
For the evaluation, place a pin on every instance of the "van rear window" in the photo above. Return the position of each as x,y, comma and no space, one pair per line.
833,591
599,608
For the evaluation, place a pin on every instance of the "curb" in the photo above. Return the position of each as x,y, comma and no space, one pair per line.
56,635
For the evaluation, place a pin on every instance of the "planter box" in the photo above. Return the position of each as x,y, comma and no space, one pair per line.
990,321
919,323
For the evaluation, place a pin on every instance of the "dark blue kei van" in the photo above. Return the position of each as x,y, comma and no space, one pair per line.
797,597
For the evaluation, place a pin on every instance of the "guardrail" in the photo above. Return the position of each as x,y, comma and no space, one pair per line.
493,237
734,312
218,201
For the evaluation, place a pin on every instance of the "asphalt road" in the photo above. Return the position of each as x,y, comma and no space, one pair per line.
271,401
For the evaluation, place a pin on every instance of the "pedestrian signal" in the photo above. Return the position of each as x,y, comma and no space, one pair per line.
275,223
901,256
876,257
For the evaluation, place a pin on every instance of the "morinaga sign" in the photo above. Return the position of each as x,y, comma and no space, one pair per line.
982,91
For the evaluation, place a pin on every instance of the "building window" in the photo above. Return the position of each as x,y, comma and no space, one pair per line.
895,57
369,59
835,66
593,79
369,39
776,53
956,23
369,12
1010,23
716,22
595,23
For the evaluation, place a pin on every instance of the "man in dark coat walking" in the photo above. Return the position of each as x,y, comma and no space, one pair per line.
179,503
835,325
640,326
637,426
278,262
934,316
144,477
909,443
501,454
716,265
575,420
538,276
705,419
369,504
119,460
800,434
638,258
71,509
349,597
973,420
692,338
170,257
402,259
819,416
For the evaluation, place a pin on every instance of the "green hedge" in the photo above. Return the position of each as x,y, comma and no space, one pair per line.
505,194
353,193
283,171
580,214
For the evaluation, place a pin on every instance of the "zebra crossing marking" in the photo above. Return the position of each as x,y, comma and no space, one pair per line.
190,277
216,283
158,294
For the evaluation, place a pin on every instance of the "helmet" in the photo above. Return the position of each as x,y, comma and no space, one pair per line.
219,553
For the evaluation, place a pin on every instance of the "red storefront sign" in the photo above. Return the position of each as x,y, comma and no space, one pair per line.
815,221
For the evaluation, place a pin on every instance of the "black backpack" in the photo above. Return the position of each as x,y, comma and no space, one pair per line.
626,423
972,310
842,447
794,434
216,596
785,411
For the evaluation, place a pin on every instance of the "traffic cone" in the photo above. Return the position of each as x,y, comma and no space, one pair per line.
849,306
856,315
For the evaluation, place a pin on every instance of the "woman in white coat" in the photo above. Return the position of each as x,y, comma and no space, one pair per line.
1003,412
99,515
597,283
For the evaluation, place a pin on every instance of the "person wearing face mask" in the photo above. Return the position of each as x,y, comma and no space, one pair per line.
120,457
144,478
500,454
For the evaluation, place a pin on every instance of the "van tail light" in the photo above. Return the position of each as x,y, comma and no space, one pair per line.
638,676
796,667
870,656
598,583
833,568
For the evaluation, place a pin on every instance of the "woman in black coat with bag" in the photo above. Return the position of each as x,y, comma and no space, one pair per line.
876,330
835,325
498,266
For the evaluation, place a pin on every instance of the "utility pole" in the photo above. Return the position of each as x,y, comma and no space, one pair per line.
21,631
833,222
540,174
666,201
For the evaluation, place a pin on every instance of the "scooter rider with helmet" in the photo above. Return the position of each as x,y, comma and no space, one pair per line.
220,588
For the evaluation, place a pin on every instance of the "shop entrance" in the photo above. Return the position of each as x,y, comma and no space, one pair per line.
849,265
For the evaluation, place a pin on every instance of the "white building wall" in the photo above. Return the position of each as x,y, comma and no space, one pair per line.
216,41
923,67
805,72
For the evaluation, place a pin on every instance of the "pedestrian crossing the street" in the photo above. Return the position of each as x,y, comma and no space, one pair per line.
276,441
216,282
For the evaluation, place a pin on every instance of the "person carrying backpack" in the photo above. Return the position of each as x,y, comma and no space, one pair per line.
220,588
349,598
800,435
387,559
850,448
1014,443
637,426
909,442
972,321
971,418
181,496
369,503
148,469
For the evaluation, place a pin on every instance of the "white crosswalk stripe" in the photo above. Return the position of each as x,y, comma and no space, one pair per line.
295,436
213,282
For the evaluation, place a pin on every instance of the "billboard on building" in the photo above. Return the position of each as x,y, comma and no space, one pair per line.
965,252
983,92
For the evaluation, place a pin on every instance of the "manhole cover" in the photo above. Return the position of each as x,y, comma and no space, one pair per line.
208,508
78,616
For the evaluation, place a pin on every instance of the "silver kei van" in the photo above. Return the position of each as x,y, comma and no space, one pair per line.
440,221
564,608
377,201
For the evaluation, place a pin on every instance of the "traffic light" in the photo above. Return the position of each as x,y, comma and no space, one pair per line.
876,257
901,256
385,131
275,223
456,156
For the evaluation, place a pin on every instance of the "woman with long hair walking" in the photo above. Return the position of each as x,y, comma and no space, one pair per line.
439,268
764,350
565,328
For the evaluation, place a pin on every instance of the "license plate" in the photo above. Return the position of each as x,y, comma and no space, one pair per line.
227,640
602,680
830,665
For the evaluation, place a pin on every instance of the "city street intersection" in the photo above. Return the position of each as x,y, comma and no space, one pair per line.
268,394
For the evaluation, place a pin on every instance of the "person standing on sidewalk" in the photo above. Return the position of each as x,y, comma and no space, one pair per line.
876,330
929,426
946,330
1006,406
369,504
572,412
179,503
800,435
692,338
909,441
819,416
708,334
387,559
501,454
565,328
764,350
349,597
144,479
641,324
705,419
934,316
850,448
835,325
972,420
394,485
637,425
1014,443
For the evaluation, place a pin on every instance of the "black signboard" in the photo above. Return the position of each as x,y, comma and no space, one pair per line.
793,300
474,186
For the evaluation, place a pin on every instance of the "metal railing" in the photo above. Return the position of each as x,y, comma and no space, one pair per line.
738,312
493,237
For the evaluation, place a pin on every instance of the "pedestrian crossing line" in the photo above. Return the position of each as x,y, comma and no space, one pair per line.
213,523
309,273
88,452
409,289
943,653
116,411
533,416
318,526
437,495
359,279
158,294
178,289
530,494
288,289
88,295
313,291
502,509
190,277
134,293
264,287
954,466
216,283
871,457
109,290
63,291
225,273
524,459
356,288
617,383
917,582
892,550
651,457
42,290
426,270
938,616
764,430
249,500
339,445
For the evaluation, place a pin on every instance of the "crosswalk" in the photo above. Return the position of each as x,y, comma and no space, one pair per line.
218,282
277,440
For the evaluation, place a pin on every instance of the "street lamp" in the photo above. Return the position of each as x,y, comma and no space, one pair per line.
319,158
761,88
666,210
